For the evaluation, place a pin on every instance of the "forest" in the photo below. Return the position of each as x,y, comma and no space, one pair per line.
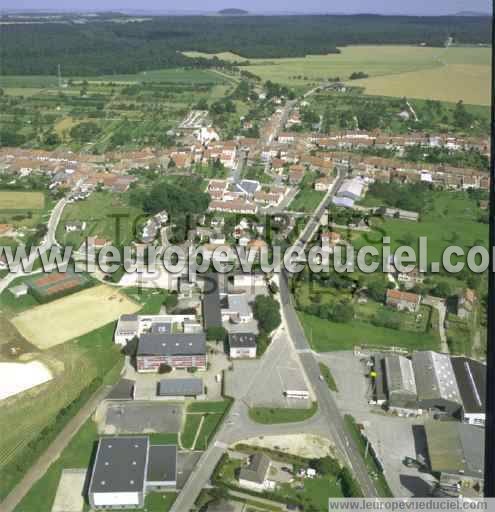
102,46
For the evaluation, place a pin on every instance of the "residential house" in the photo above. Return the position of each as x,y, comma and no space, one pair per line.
403,301
242,345
255,476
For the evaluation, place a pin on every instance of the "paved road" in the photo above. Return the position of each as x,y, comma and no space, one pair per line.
313,224
326,402
48,242
40,467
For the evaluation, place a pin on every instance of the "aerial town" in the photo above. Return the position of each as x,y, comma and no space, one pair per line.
247,390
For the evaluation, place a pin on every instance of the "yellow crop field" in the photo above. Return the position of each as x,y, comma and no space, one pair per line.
61,320
469,83
13,200
447,74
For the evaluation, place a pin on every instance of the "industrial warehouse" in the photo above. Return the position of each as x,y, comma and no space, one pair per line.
430,382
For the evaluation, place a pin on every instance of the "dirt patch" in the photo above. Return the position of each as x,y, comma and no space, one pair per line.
303,445
67,318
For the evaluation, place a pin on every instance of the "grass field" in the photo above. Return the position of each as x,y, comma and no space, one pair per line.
72,316
98,211
74,365
13,200
326,336
208,415
270,415
306,200
419,72
457,214
472,84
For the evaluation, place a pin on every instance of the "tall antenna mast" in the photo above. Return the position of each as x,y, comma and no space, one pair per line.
59,77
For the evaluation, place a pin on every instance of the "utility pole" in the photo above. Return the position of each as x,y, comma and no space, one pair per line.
59,74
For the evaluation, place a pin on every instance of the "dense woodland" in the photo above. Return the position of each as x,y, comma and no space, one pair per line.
102,46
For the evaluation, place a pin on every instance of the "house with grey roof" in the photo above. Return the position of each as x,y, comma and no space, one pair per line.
254,476
126,468
242,345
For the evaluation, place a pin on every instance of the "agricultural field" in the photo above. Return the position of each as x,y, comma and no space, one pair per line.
107,112
472,84
61,320
13,200
453,74
98,212
74,365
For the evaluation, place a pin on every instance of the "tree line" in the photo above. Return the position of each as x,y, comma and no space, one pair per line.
101,47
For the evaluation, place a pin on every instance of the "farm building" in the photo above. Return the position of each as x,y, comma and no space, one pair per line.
400,382
242,345
179,388
126,468
436,383
177,350
471,380
455,451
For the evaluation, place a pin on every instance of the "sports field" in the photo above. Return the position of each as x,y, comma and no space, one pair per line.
13,200
447,74
72,316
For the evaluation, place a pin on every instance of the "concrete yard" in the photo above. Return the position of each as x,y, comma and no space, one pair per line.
69,497
392,437
269,378
142,418
186,462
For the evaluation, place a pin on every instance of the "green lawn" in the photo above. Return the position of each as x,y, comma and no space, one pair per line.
190,430
212,414
326,336
451,218
327,375
270,415
98,211
306,200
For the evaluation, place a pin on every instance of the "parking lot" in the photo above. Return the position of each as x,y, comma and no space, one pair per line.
262,383
393,438
142,418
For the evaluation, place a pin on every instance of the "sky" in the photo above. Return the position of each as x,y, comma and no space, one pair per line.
416,7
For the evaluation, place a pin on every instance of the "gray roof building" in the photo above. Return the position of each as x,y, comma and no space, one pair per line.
400,381
162,465
165,344
455,449
436,382
211,302
257,470
242,340
471,380
120,466
180,387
